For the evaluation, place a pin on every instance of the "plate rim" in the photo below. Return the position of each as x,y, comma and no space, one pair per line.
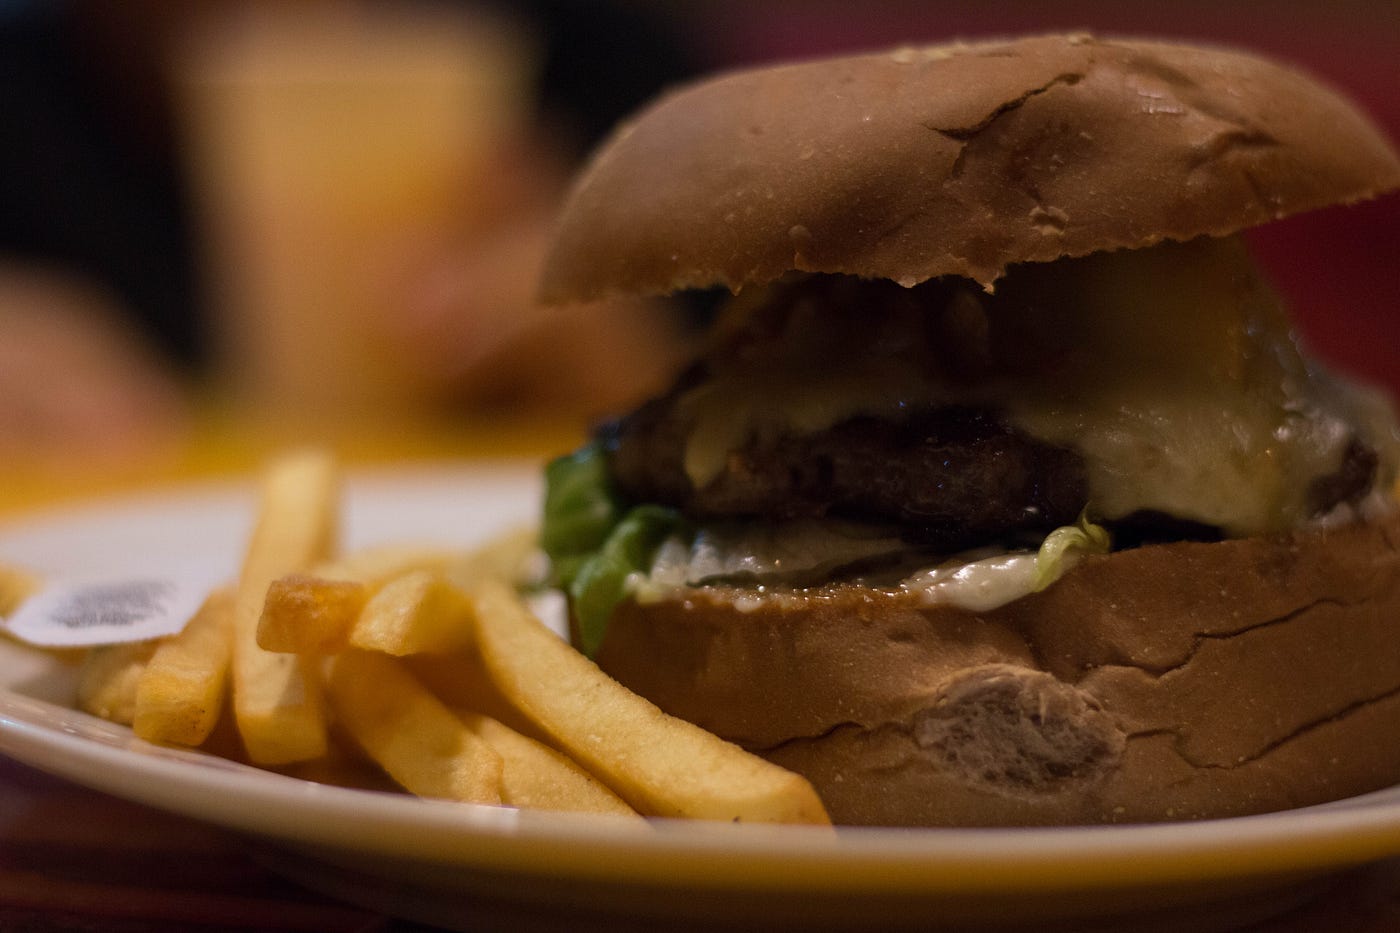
871,861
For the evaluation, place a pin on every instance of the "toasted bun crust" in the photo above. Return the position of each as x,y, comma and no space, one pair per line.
1172,681
956,160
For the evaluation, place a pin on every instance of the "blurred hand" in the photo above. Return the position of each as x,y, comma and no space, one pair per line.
469,318
73,381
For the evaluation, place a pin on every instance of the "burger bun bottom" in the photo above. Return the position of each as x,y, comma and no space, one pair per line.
1166,682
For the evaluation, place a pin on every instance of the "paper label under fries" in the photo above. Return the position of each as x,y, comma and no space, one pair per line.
78,613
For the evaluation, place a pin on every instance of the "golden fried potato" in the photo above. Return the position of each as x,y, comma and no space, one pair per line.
420,612
16,585
308,614
108,678
180,694
661,765
417,740
536,776
276,697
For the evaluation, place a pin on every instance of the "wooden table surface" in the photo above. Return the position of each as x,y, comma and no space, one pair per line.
72,859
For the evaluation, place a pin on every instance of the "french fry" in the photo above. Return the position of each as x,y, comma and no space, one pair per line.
661,765
108,678
534,775
16,586
460,680
394,639
420,612
306,613
409,732
313,612
276,697
180,694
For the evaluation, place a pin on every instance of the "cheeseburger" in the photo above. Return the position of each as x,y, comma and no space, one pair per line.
1001,493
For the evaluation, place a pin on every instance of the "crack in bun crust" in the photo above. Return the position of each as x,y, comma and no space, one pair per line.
955,160
1193,680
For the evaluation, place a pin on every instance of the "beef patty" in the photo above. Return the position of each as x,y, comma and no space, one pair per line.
951,477
948,476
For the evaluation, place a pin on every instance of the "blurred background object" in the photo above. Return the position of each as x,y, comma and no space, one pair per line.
70,367
329,146
335,209
324,211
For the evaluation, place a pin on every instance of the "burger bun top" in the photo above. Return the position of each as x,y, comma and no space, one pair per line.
958,160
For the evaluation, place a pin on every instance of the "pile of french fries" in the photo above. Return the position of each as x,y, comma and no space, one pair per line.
427,663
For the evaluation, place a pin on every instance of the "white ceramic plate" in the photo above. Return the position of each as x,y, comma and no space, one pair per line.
455,864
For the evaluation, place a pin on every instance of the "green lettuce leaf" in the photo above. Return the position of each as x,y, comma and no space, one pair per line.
581,509
603,579
595,542
1063,547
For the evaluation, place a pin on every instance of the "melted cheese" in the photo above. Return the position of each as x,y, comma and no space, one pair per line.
1190,397
1179,384
728,414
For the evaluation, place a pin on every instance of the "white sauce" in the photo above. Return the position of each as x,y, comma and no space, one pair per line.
980,582
978,586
